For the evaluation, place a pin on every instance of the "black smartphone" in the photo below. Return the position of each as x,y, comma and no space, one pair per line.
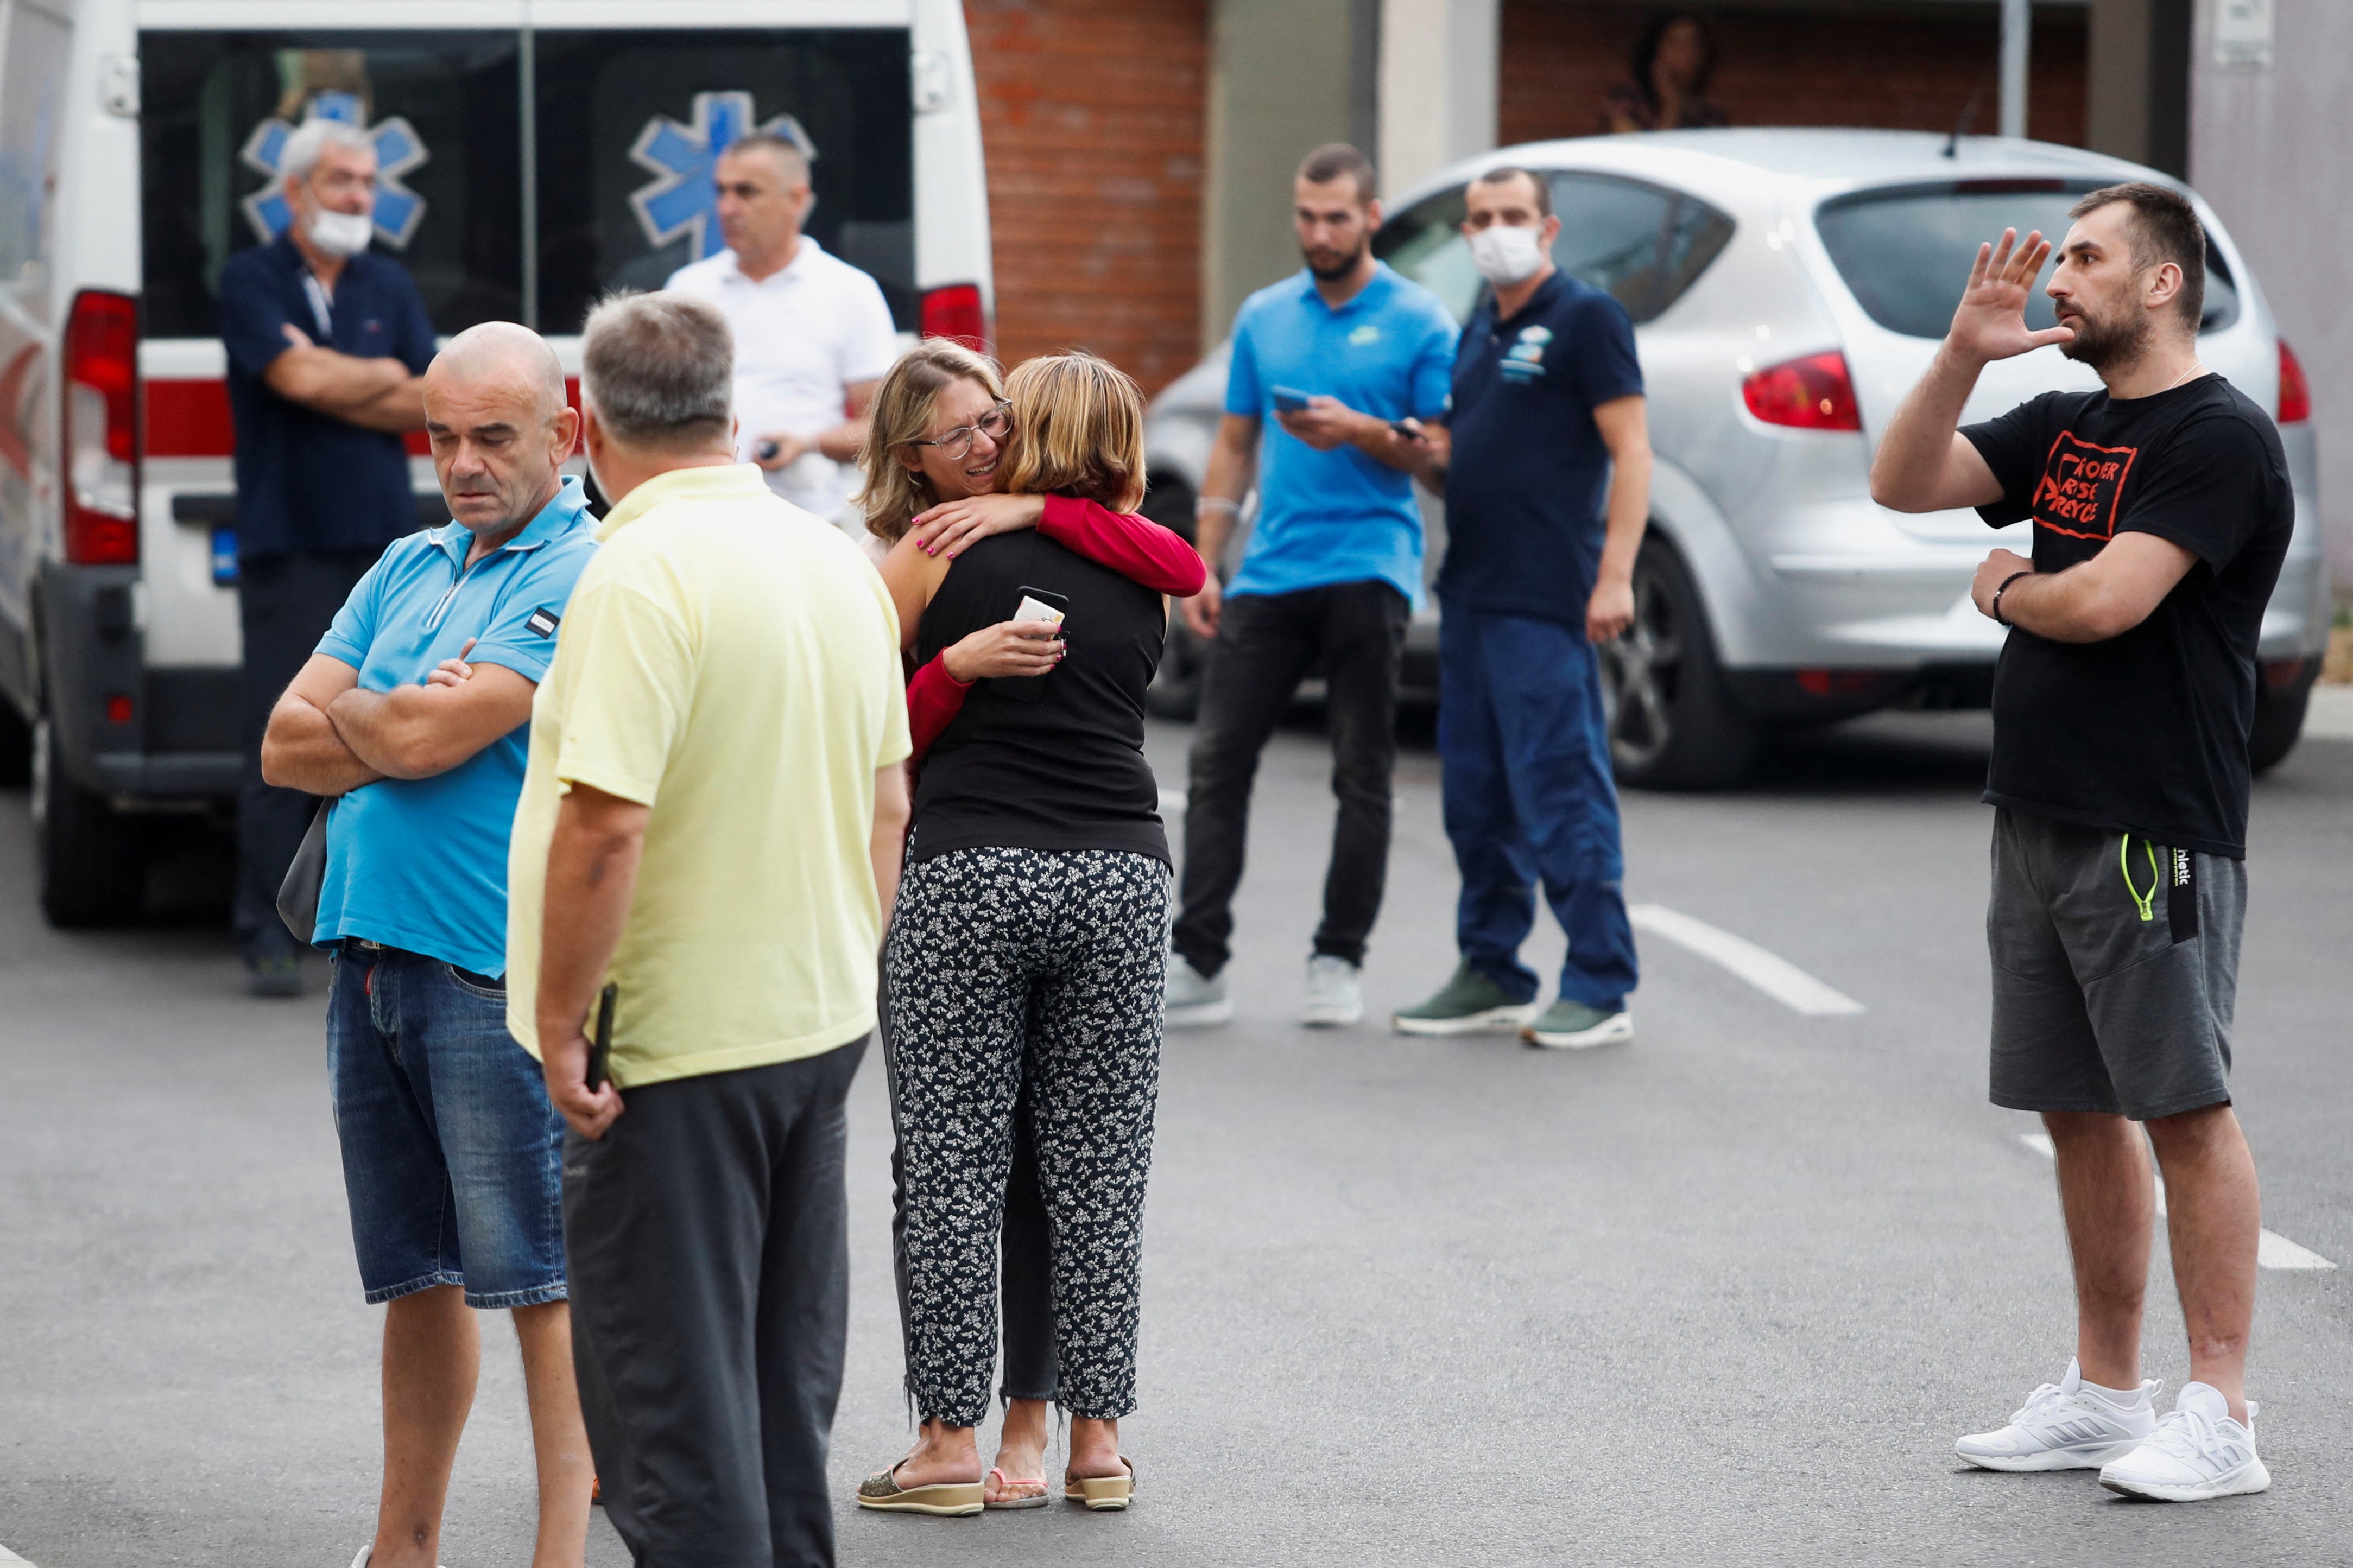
766,450
600,1048
1033,604
1287,400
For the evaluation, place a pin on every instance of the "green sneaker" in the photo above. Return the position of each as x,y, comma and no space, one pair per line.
1470,1004
1569,1026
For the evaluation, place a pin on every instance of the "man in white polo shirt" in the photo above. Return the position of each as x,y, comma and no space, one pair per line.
813,335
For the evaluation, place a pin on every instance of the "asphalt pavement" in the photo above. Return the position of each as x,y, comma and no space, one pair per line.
1724,1295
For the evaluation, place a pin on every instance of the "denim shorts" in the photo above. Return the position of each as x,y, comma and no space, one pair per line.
453,1157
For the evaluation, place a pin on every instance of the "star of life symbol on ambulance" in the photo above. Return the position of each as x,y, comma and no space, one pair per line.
399,149
683,201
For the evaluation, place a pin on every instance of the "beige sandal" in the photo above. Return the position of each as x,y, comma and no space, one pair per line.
1102,1494
882,1492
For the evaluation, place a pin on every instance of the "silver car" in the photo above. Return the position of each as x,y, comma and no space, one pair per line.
1788,287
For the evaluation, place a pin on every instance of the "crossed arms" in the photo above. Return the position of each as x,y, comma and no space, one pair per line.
329,736
374,394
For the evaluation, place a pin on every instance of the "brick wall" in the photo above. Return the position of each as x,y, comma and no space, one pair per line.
1821,64
1092,113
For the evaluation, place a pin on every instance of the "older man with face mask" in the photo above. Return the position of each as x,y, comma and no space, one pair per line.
813,334
326,346
413,714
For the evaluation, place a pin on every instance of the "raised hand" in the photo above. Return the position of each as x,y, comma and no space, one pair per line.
1990,322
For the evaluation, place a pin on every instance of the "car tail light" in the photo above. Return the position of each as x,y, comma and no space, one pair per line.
954,312
1811,394
2295,395
102,430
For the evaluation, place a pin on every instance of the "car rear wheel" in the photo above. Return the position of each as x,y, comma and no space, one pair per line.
91,860
15,748
2279,720
1672,725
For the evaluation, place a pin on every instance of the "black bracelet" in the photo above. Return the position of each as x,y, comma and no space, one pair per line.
1995,606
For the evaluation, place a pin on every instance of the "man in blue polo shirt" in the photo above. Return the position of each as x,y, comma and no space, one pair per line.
1547,418
414,714
326,344
1344,356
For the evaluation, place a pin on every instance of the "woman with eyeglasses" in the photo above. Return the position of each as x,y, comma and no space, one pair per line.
932,466
942,443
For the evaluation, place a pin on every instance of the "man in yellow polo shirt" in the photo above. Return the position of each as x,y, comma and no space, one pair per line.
711,822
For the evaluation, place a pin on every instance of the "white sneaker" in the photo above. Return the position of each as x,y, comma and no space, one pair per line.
365,1553
2198,1452
1333,997
1195,999
2065,1426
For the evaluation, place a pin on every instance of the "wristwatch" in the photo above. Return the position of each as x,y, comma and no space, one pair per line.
1995,606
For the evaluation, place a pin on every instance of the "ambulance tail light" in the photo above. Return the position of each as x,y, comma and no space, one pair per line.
1811,394
954,312
2295,393
102,430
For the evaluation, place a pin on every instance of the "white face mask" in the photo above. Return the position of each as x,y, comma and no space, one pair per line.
340,234
1506,254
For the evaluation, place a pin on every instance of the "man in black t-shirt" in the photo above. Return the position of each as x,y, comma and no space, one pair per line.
2122,705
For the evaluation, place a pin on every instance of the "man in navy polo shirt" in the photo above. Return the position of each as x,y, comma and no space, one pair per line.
1344,356
415,715
1548,420
326,345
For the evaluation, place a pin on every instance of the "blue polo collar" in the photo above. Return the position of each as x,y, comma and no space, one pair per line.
558,517
1371,294
1546,292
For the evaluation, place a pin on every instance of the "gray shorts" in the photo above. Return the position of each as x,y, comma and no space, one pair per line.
2116,964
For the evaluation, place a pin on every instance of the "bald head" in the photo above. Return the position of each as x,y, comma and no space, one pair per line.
495,410
502,353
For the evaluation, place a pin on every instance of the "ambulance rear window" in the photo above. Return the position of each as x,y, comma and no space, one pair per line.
627,119
607,183
442,107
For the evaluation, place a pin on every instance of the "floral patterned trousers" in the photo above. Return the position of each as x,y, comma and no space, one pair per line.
1006,967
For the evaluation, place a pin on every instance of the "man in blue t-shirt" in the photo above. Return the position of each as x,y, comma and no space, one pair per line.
1348,357
1548,489
414,715
326,347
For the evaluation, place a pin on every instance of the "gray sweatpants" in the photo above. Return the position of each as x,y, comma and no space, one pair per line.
2116,965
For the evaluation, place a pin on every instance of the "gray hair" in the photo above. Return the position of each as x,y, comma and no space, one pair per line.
305,147
659,369
792,156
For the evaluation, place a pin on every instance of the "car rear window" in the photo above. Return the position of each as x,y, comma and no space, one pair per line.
1907,253
523,174
1644,244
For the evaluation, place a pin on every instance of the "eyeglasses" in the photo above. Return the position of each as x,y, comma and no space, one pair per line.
956,444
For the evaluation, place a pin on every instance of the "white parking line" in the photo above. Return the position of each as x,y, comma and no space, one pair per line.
1769,973
2273,1250
8,1556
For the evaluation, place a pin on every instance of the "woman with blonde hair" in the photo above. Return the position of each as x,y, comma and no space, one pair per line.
1026,953
935,452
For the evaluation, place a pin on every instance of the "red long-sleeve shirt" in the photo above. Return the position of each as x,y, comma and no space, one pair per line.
1135,547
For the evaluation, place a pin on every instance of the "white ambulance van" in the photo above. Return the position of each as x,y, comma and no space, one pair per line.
533,154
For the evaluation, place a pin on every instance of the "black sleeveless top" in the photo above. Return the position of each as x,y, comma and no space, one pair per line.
1064,772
